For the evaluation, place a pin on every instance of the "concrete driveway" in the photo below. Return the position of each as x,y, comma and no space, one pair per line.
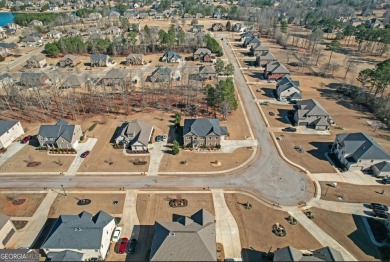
81,147
11,150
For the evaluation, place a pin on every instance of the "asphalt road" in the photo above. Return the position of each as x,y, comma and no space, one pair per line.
269,177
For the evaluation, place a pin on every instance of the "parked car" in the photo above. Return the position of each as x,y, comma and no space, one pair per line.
386,181
378,206
26,139
85,154
290,129
380,213
123,245
117,234
159,138
165,137
131,246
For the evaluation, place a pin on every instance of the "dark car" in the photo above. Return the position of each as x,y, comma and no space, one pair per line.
85,154
131,246
386,181
290,129
159,138
380,213
378,206
122,245
26,139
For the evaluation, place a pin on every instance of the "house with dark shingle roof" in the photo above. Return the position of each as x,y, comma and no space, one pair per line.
202,54
9,132
134,135
257,49
275,70
171,57
161,74
358,151
69,60
311,114
292,254
134,59
36,61
34,79
101,60
249,41
264,57
7,229
203,132
381,169
74,81
288,90
84,233
59,135
185,239
66,255
116,77
204,73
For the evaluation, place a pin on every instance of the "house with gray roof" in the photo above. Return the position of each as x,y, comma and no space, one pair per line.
288,90
32,41
206,72
264,57
203,132
170,57
74,81
69,61
196,29
202,54
66,255
257,49
9,132
275,70
249,41
116,77
135,135
310,113
217,27
7,230
185,239
59,135
292,254
359,151
101,60
134,59
36,61
161,74
34,79
381,169
84,233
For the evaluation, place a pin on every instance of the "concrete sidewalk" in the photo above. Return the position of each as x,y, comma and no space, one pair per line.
156,155
322,237
11,150
129,215
25,237
351,177
82,147
340,207
226,226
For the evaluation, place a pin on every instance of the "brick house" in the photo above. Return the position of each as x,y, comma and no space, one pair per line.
275,70
203,132
134,59
202,54
69,61
59,135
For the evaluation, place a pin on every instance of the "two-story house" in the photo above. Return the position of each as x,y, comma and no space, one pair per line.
135,135
9,132
311,114
203,132
288,90
59,135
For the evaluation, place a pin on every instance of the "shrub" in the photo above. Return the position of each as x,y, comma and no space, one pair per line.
92,127
81,138
218,146
175,148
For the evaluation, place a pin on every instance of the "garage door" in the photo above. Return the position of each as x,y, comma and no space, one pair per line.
8,237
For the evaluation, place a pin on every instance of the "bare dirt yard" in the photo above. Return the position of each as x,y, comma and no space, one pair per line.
314,147
102,201
355,193
236,125
25,210
277,114
255,226
348,230
201,162
263,91
52,163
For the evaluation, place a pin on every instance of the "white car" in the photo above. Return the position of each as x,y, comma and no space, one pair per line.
117,234
165,138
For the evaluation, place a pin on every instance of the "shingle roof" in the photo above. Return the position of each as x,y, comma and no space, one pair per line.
32,78
266,55
285,83
276,68
361,146
312,108
383,166
290,253
74,80
82,231
135,56
66,255
5,125
71,57
171,55
139,131
37,58
3,220
202,127
207,69
185,239
8,45
117,74
99,57
60,129
259,47
202,51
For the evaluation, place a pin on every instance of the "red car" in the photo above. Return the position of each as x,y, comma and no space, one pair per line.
122,245
26,139
85,154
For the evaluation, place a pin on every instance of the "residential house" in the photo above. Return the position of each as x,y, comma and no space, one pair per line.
159,16
6,80
113,30
288,90
32,41
196,29
116,77
114,15
93,30
161,74
134,59
66,255
95,16
84,233
199,16
374,23
237,27
73,32
36,61
36,23
358,151
69,61
54,34
101,60
59,135
249,41
185,239
204,73
381,169
355,22
311,114
289,253
187,16
218,27
143,15
171,57
202,54
74,81
245,35
9,46
34,79
53,7
203,132
217,14
135,135
9,132
257,49
264,57
275,70
7,230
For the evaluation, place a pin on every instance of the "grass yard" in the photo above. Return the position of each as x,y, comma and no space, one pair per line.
277,114
25,210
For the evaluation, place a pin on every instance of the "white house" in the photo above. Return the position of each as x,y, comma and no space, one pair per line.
287,89
85,233
9,131
7,229
135,135
381,169
54,34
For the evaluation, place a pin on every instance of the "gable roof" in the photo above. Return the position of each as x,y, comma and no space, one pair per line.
202,51
5,125
138,130
207,69
71,57
276,68
285,83
258,47
99,57
32,78
361,146
202,127
383,166
312,108
83,231
266,55
171,55
134,56
117,74
37,58
185,239
66,255
60,129
290,253
74,80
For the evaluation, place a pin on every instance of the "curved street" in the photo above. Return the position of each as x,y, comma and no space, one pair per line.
268,176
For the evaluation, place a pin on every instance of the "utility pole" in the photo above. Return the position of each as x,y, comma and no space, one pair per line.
63,190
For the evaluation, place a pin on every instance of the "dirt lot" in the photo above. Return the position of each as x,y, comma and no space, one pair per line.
25,210
99,202
201,162
265,91
18,162
356,193
348,230
314,146
279,119
236,125
255,226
